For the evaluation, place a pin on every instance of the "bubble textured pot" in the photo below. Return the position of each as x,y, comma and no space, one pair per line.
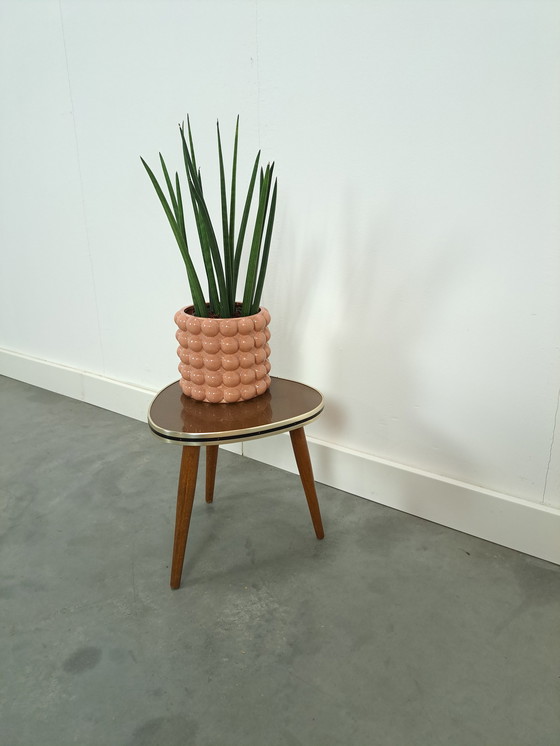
223,360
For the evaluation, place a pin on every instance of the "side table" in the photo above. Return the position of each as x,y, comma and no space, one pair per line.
175,418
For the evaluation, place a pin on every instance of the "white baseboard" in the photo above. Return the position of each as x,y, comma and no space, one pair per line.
518,524
522,525
132,401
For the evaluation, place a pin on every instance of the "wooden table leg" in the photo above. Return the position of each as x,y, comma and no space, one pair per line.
301,452
211,461
185,497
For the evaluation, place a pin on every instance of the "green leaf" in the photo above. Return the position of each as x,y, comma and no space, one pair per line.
266,250
194,283
191,143
169,185
250,281
228,259
207,259
244,219
232,214
164,203
179,212
180,237
211,244
189,166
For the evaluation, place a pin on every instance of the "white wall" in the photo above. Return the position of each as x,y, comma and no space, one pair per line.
415,268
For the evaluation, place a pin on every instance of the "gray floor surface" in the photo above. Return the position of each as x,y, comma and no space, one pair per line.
392,631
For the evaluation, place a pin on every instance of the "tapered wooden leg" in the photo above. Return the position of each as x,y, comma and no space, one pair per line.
211,461
301,452
185,497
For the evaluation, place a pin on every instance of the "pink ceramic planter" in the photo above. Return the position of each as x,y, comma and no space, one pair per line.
223,360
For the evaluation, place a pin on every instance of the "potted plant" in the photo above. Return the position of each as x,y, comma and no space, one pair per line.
223,342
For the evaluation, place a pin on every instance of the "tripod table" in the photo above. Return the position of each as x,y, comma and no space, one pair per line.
175,418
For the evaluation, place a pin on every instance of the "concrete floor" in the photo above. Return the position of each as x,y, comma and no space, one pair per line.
392,631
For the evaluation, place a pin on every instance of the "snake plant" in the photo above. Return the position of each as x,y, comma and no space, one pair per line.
221,263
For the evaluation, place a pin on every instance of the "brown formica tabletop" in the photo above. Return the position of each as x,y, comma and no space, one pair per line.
176,418
287,405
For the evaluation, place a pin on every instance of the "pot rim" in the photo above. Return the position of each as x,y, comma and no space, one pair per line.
189,311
